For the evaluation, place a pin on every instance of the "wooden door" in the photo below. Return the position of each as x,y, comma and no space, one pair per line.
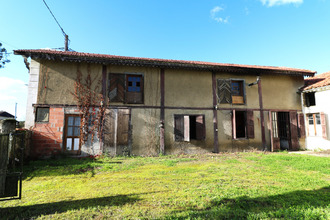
117,132
123,131
294,145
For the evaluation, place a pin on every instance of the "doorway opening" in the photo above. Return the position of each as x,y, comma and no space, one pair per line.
284,130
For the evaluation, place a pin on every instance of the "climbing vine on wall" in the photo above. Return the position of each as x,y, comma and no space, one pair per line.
91,104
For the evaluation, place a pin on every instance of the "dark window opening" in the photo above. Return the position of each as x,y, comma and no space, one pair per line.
243,124
192,127
310,99
240,120
189,127
42,114
237,88
283,125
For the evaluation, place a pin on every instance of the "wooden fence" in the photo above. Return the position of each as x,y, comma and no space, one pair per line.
14,148
4,143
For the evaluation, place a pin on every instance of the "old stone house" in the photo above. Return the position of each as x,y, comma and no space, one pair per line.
154,106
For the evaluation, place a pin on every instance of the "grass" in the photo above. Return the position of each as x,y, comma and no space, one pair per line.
224,186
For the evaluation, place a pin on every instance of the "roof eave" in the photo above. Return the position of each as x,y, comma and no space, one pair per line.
161,64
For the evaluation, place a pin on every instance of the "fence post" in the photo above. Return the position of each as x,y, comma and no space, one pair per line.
3,162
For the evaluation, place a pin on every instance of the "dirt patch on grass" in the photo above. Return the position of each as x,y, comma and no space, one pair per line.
324,153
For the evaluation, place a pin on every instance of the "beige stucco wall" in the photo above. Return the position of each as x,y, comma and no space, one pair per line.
57,81
145,132
280,92
184,88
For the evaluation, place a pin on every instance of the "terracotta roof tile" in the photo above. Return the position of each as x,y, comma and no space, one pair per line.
317,81
174,63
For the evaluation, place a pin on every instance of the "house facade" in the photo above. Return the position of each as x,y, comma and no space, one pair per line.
149,106
6,115
7,122
316,108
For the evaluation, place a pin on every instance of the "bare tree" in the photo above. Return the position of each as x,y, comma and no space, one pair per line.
3,56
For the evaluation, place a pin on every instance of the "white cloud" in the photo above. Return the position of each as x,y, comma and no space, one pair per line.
214,16
13,91
271,3
6,83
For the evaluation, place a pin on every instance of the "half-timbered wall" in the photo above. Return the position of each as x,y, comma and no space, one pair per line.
133,127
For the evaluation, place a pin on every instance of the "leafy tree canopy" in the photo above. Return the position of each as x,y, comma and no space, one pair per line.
3,56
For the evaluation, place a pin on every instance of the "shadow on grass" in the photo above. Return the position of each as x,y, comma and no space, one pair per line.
293,205
64,166
33,211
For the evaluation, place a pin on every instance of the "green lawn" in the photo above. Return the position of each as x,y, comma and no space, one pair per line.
218,186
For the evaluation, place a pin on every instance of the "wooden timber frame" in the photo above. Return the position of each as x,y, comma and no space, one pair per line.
263,136
162,112
215,114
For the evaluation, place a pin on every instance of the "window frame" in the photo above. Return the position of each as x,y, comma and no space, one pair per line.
134,93
242,91
315,118
120,89
66,136
248,124
200,132
309,99
37,114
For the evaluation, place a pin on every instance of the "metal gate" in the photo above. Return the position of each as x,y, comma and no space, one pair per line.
11,165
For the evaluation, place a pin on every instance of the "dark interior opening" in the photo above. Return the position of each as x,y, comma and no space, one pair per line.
240,124
310,99
284,130
192,127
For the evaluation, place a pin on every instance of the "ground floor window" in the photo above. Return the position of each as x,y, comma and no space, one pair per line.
72,133
243,124
314,125
42,114
189,127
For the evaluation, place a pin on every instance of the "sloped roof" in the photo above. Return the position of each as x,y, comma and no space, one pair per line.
317,81
161,63
6,114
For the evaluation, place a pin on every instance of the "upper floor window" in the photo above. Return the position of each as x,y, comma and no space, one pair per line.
134,83
126,88
310,99
231,91
134,89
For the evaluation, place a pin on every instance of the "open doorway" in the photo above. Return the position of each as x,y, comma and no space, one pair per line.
284,130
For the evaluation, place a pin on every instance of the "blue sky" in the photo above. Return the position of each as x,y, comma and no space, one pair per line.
291,33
